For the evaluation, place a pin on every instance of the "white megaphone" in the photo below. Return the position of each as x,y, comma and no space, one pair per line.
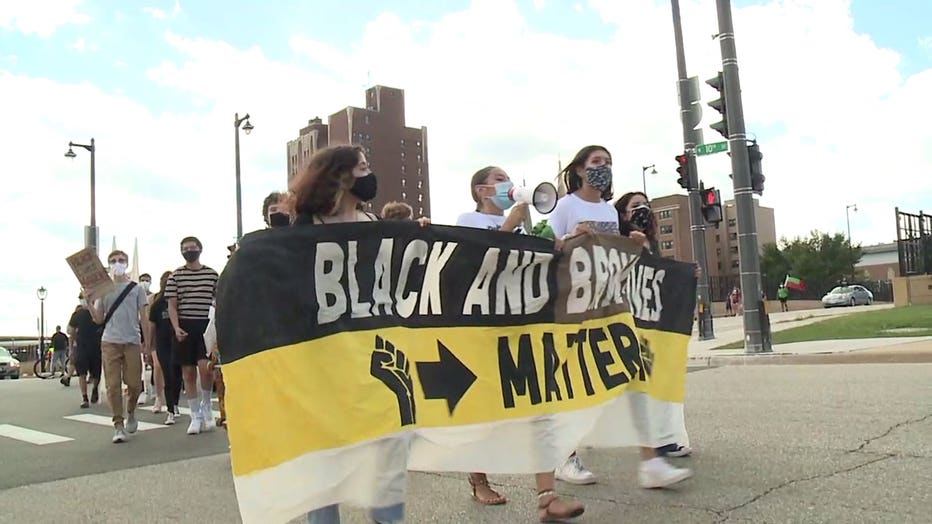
543,197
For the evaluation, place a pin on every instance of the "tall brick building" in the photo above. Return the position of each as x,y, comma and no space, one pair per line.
397,153
672,214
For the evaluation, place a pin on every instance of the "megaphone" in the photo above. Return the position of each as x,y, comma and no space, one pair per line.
543,197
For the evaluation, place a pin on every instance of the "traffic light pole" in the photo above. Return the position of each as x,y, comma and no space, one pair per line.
691,115
749,256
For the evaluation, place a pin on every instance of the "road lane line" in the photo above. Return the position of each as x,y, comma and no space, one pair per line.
39,438
102,420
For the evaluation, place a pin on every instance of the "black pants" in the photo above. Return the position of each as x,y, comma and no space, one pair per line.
171,372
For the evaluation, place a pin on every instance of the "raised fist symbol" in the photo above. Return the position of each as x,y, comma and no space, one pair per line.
393,369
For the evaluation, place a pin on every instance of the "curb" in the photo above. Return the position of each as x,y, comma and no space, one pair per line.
844,357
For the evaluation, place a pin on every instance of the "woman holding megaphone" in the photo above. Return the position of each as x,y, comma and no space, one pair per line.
494,194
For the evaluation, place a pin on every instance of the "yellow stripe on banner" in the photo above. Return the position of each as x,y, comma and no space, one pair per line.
356,386
666,352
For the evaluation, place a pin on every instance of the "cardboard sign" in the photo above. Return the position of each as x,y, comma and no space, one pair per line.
90,272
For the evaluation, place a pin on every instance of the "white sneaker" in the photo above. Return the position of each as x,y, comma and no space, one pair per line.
157,405
143,399
574,472
170,420
131,424
207,423
119,435
195,427
658,473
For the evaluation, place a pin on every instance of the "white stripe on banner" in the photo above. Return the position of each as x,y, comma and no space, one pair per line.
39,438
102,420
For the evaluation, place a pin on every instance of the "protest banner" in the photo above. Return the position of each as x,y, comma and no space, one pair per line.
353,352
90,272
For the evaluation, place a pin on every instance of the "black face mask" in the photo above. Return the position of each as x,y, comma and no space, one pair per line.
364,188
279,220
641,217
191,256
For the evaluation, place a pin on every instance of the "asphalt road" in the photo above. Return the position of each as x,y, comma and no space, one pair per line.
42,405
825,443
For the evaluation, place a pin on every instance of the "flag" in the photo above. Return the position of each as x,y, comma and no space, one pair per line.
354,352
794,283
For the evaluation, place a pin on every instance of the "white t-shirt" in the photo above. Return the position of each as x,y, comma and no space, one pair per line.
571,211
484,221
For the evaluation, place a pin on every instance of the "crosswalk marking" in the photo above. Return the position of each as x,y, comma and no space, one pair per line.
31,436
102,420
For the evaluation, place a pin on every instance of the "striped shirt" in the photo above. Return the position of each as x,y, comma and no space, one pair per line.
194,289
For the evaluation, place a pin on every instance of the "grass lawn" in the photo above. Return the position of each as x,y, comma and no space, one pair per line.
910,321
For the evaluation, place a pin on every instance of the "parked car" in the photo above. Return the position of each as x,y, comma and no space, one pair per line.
848,296
9,366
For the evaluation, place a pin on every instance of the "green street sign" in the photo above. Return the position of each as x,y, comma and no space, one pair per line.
710,149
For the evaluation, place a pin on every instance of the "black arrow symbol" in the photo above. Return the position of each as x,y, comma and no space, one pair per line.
448,378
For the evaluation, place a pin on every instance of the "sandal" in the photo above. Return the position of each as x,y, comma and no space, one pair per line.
551,508
477,480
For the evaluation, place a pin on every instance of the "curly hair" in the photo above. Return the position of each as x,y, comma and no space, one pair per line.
572,180
397,211
320,187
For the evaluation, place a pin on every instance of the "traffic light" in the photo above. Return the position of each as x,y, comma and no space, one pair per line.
718,83
757,173
711,205
683,170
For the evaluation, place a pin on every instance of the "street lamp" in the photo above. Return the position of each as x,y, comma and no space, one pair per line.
644,175
41,293
239,191
848,218
90,232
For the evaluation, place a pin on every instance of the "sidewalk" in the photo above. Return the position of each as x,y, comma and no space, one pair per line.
869,350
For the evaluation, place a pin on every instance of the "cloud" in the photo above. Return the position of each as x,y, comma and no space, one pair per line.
160,14
80,45
41,18
830,136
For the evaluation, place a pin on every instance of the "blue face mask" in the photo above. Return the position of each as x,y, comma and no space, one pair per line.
502,199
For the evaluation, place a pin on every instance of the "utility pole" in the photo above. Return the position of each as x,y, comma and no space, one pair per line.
748,254
691,115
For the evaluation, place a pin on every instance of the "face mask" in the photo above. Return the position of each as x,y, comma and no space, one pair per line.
145,285
502,199
279,220
191,256
118,269
600,178
364,188
641,217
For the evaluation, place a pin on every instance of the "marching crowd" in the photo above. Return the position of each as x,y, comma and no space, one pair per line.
171,331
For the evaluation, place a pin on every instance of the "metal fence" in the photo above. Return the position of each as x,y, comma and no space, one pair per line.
914,243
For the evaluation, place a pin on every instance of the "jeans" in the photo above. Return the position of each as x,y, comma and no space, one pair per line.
331,515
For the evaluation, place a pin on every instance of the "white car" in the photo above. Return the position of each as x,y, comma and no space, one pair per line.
9,366
852,295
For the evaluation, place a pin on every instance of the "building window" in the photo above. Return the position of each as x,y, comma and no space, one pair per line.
419,157
404,196
418,171
418,143
367,118
402,154
403,168
420,211
420,198
718,238
665,214
733,236
666,244
719,266
666,230
733,250
734,263
402,142
718,252
403,181
419,184
732,222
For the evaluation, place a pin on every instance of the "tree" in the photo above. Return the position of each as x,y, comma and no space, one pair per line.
821,261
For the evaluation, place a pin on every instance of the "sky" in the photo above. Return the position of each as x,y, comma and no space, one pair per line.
835,91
